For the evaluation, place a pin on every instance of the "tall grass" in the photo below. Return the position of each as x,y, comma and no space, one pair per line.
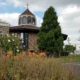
24,67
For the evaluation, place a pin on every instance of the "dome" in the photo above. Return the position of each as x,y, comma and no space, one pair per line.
27,18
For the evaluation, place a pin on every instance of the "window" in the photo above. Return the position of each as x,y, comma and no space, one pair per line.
33,20
25,40
24,20
29,20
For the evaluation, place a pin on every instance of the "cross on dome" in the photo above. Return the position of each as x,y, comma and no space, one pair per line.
27,5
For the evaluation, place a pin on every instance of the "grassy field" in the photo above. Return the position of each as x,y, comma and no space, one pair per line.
24,67
70,58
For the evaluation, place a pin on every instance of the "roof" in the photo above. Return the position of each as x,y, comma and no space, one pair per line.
24,28
64,36
27,12
29,29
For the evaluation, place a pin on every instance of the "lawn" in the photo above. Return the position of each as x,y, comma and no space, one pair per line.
70,58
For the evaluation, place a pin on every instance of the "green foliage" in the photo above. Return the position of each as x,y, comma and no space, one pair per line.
64,53
8,42
50,38
69,48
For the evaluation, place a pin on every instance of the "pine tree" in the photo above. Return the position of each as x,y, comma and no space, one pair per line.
50,38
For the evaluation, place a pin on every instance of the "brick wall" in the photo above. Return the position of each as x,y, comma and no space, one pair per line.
32,41
4,29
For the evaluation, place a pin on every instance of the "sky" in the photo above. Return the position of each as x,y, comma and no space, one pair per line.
68,12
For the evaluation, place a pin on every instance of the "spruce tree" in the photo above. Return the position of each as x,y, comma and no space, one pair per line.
50,38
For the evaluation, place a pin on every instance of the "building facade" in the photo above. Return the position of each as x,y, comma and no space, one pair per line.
27,26
4,27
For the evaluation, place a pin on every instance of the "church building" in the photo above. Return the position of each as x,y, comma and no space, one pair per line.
27,26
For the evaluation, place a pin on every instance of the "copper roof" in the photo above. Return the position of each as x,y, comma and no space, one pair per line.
27,12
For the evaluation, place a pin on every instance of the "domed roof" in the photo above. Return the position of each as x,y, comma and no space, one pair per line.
27,12
27,18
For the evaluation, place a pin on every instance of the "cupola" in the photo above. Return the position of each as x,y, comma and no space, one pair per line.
27,18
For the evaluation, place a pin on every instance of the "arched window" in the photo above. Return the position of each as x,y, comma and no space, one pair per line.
20,20
29,20
33,20
24,20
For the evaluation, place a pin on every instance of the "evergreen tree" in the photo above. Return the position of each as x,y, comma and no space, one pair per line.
50,38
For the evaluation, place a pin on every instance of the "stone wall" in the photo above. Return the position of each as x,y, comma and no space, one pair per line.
32,41
4,29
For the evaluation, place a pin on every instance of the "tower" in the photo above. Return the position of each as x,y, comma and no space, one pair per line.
27,18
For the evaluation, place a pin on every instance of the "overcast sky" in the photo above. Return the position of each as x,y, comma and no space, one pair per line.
68,12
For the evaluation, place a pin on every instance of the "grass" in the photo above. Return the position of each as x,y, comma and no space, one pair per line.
23,67
70,58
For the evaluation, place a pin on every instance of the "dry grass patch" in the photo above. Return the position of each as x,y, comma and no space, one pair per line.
23,67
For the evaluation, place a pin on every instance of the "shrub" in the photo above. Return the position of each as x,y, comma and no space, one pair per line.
9,43
69,48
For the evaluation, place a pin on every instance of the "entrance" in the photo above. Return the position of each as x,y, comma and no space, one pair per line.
24,37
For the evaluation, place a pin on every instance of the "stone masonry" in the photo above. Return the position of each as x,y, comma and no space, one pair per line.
4,30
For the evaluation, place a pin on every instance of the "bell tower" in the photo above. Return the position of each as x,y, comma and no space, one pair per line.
27,18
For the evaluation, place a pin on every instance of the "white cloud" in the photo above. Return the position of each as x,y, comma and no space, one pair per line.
15,3
39,21
10,18
70,23
70,9
42,5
